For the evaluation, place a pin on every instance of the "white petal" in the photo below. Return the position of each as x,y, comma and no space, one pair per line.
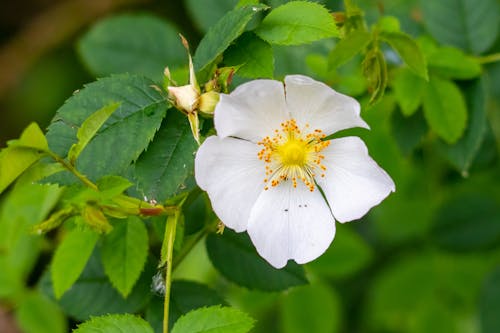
353,182
252,111
314,103
233,176
291,223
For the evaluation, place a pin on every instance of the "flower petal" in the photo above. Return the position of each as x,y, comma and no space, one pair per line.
252,111
314,103
291,223
353,182
229,170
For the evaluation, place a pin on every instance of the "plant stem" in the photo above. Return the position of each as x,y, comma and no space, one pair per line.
188,246
73,170
487,59
167,254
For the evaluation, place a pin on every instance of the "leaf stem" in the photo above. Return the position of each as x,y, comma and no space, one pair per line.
73,170
490,58
167,254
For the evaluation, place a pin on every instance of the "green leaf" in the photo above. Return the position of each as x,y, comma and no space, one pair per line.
348,47
235,257
489,303
467,222
409,131
139,44
125,134
468,24
185,296
124,252
93,295
222,34
112,186
70,259
408,90
454,64
313,308
445,109
375,72
348,254
408,50
463,152
162,171
206,13
38,314
115,324
214,319
254,54
21,154
89,129
297,22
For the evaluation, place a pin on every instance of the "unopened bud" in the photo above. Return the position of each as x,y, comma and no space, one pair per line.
208,101
185,98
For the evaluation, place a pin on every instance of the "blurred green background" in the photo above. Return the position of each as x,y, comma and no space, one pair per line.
426,260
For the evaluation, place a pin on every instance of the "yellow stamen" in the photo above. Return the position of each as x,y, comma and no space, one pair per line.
293,155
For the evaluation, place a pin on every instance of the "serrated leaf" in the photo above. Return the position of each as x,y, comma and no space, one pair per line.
468,24
33,311
111,186
206,13
31,137
408,90
463,152
348,47
89,129
161,171
445,109
93,295
124,252
70,259
454,64
221,35
253,54
313,308
125,134
214,319
235,257
115,324
184,297
140,44
408,50
297,22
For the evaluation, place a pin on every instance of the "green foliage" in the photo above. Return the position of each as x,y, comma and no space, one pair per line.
453,63
375,71
314,308
185,296
70,259
409,51
408,90
124,252
445,109
139,44
235,257
297,22
222,34
254,55
214,319
38,314
467,24
115,324
88,130
206,13
162,171
490,303
348,48
93,295
131,127
21,154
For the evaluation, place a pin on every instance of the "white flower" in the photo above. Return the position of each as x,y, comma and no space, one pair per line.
263,169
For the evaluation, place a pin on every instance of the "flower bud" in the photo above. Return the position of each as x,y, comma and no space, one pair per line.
207,102
185,98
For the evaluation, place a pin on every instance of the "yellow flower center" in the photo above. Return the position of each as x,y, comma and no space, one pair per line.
293,155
